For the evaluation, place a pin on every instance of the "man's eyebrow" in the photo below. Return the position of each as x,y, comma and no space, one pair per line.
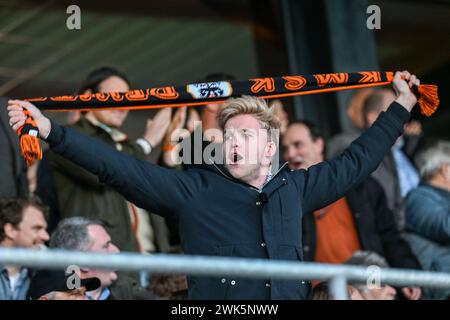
39,226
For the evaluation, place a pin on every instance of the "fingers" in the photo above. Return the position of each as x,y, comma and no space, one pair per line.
165,112
163,115
16,113
20,105
417,293
411,79
14,102
412,293
402,75
406,292
180,115
17,125
16,119
14,106
193,115
405,75
181,112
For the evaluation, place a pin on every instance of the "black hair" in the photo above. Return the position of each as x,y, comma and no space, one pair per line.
11,211
314,130
218,76
97,76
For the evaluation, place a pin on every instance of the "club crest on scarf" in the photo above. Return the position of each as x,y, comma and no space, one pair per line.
210,89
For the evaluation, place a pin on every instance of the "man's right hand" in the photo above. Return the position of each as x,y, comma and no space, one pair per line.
17,117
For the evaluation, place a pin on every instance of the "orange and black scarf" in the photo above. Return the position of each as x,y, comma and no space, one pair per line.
214,92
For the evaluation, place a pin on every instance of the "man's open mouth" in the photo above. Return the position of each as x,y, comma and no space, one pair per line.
235,158
297,163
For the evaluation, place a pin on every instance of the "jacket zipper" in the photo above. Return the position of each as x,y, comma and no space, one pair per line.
241,182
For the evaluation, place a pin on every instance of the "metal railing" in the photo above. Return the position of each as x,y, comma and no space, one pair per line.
338,275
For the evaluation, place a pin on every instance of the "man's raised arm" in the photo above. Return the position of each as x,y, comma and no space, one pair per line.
328,181
151,187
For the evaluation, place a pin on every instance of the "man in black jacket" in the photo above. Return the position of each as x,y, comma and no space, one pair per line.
242,208
359,221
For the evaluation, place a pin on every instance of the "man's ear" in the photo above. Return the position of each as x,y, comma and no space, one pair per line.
271,149
320,143
10,231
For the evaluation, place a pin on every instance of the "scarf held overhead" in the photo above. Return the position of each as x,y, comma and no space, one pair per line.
213,92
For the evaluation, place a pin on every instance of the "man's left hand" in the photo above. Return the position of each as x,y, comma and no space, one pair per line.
403,82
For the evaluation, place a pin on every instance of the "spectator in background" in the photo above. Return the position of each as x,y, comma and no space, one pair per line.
359,221
22,225
396,173
281,114
322,292
360,291
83,234
428,214
13,170
79,192
377,292
52,285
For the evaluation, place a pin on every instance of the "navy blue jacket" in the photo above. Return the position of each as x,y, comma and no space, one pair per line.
219,215
375,226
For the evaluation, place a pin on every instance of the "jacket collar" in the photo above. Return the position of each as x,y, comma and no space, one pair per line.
222,170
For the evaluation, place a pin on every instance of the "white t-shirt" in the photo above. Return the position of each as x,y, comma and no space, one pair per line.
13,281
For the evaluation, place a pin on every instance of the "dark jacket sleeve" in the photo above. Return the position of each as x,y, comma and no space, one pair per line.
396,250
162,191
326,182
83,177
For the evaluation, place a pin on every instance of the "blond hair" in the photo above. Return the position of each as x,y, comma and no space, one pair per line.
256,107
